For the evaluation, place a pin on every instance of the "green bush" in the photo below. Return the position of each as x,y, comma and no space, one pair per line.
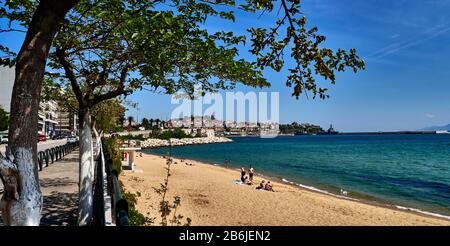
132,137
135,218
138,219
111,145
175,133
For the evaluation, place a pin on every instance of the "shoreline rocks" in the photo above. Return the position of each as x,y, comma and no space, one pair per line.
155,143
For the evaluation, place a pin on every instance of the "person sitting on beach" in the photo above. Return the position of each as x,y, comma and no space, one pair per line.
245,180
243,175
261,185
269,186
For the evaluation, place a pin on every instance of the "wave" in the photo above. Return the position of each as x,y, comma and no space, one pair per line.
423,212
308,187
312,188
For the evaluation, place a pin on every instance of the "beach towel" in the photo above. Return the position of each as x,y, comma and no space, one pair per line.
239,182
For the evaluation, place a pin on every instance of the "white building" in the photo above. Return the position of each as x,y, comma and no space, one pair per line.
50,119
6,85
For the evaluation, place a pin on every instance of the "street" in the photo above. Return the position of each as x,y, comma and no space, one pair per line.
41,145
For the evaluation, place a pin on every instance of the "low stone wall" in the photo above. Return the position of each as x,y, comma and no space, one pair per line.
154,143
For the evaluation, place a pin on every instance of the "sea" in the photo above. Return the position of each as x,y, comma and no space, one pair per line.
410,172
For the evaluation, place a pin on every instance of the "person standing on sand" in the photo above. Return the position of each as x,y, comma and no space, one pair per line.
242,174
250,173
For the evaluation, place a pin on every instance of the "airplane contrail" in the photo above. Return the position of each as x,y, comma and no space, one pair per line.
392,48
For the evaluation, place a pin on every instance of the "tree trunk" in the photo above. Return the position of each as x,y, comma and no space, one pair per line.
85,208
22,201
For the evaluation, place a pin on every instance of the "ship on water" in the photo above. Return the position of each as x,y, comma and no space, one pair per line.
330,131
301,133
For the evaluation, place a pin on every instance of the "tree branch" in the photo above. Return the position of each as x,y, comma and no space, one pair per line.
288,15
70,75
112,94
12,30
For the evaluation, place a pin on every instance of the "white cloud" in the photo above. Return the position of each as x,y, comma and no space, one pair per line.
431,116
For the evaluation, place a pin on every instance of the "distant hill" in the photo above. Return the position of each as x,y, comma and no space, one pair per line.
437,128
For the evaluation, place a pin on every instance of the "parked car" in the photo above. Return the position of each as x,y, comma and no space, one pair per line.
41,137
72,139
3,139
59,136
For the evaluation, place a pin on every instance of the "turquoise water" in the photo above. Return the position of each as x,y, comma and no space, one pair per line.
406,170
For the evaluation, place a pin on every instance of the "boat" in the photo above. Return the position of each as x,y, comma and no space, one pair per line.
297,133
330,131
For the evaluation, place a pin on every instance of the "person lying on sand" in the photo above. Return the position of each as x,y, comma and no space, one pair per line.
261,185
269,187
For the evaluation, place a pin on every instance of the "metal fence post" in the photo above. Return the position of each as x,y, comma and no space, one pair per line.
40,160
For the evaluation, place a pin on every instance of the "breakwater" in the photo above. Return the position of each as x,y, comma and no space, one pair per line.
155,143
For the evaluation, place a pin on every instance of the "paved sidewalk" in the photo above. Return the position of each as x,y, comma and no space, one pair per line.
59,186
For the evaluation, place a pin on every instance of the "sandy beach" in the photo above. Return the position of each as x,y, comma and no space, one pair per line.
210,198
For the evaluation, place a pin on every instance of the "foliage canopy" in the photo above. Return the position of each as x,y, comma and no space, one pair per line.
110,48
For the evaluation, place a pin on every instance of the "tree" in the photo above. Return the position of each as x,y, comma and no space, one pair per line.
106,116
151,123
145,123
102,43
4,119
157,122
130,121
21,203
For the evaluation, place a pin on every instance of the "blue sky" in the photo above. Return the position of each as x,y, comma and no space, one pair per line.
405,86
406,83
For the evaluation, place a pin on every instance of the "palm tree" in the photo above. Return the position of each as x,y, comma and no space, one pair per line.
130,120
151,123
145,123
157,122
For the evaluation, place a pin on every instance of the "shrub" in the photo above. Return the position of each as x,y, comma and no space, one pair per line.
175,133
132,137
135,218
111,145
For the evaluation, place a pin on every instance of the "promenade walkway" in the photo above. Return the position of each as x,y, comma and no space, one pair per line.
59,186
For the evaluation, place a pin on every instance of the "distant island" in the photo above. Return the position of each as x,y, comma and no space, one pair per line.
437,128
305,129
